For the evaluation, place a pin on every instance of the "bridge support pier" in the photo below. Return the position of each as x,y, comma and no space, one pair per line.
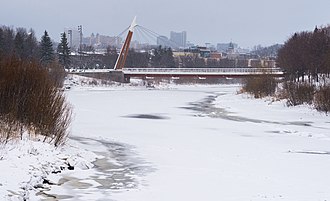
119,76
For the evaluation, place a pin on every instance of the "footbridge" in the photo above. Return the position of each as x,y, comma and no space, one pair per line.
123,74
200,72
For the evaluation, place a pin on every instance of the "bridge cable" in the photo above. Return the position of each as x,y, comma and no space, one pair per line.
156,35
118,36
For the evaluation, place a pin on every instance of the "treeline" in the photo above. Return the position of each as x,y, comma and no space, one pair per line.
305,59
31,99
159,57
306,55
24,45
19,42
267,52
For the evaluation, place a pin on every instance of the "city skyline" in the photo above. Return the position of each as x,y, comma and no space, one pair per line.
247,23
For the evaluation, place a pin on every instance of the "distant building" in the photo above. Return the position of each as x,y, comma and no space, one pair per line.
92,40
223,47
102,42
137,45
189,44
179,39
95,40
231,48
73,36
216,55
203,52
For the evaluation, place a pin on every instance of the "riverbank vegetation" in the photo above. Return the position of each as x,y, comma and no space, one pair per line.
261,86
305,59
31,100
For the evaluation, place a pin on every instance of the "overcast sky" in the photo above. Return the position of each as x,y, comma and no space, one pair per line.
246,22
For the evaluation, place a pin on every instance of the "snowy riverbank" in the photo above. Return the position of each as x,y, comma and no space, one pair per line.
179,142
28,167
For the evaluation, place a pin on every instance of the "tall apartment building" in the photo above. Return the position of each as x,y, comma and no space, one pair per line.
73,36
179,39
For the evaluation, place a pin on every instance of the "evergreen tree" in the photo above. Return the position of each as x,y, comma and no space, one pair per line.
1,42
31,47
156,57
163,58
7,36
63,51
169,62
19,43
46,49
137,59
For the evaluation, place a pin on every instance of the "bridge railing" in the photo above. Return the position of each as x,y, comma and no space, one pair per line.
186,71
204,70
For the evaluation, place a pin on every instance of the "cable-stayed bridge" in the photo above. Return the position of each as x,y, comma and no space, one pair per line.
123,74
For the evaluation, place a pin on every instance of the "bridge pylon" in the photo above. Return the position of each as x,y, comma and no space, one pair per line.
120,63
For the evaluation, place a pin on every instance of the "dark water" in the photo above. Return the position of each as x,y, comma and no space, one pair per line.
119,169
206,107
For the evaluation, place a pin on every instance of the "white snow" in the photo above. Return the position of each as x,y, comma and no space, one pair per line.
25,164
208,143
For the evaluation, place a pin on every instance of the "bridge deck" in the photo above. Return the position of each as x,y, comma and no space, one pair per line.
201,71
188,71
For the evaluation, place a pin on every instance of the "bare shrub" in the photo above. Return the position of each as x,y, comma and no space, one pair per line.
8,129
105,82
57,73
58,116
322,99
93,82
298,93
30,99
260,86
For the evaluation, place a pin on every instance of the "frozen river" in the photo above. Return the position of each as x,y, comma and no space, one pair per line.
197,143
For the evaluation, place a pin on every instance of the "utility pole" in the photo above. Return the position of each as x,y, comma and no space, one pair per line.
80,41
70,33
80,45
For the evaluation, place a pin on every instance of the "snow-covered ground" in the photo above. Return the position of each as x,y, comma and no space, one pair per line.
181,142
28,167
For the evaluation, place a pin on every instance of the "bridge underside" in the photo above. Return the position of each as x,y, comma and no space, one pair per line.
180,73
201,73
200,76
117,76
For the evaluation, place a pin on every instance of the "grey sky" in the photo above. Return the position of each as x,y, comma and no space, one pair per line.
246,22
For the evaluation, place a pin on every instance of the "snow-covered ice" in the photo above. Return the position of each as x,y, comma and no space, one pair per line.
193,142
